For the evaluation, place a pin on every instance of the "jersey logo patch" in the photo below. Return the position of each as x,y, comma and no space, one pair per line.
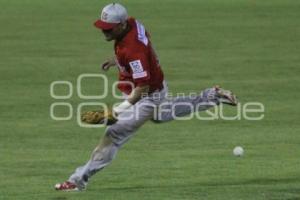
137,69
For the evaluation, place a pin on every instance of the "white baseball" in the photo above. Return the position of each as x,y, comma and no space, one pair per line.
238,151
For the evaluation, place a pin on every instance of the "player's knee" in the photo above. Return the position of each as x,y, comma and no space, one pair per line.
105,154
112,132
118,134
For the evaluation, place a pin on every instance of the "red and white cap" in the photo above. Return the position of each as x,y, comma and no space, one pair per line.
111,15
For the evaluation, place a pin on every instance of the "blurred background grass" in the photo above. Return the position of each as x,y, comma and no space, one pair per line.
249,46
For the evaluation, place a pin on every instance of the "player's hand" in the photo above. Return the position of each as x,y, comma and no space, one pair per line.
109,63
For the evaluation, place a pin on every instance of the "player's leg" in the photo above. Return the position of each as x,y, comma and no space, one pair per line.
115,136
102,156
185,105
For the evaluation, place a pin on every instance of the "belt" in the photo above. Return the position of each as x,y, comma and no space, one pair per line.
158,89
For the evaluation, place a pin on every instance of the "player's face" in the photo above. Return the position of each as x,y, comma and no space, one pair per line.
114,33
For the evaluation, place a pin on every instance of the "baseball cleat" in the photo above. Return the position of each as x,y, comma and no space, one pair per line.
226,96
66,186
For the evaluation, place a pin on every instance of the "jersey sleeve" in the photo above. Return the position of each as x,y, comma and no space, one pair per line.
139,66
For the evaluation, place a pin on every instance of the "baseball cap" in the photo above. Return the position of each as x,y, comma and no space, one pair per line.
111,15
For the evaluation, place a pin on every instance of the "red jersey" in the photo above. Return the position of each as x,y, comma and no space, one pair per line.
137,61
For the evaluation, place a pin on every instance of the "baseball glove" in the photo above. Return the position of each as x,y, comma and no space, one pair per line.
98,117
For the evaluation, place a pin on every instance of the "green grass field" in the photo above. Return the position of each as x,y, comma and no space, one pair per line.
249,46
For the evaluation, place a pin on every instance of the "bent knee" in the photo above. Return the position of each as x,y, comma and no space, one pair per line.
118,134
105,154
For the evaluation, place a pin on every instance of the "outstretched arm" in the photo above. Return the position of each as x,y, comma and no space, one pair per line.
134,97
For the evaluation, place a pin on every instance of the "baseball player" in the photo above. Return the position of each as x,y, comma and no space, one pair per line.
145,97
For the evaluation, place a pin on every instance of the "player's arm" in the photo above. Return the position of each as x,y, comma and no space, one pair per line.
139,65
134,97
137,93
109,63
107,116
